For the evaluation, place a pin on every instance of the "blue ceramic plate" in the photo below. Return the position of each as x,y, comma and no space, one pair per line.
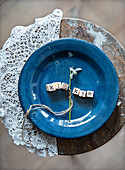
51,63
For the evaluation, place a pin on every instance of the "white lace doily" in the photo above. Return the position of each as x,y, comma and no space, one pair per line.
23,41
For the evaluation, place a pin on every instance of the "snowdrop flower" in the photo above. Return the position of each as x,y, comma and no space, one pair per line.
74,71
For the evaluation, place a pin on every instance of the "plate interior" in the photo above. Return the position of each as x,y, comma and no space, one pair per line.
55,68
50,64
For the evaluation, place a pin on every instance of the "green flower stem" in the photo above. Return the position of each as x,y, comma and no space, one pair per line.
69,98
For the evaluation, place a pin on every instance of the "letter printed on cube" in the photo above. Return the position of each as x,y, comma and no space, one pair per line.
76,91
57,85
90,93
50,87
82,93
65,86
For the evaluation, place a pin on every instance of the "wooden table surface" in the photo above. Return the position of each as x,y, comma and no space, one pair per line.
81,29
108,14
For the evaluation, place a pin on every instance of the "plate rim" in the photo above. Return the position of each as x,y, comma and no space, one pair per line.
70,39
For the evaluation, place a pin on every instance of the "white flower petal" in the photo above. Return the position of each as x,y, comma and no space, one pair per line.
71,75
71,69
78,69
74,72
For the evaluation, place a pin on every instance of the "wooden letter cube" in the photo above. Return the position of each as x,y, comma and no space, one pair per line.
50,87
65,86
76,91
82,93
47,87
57,85
90,94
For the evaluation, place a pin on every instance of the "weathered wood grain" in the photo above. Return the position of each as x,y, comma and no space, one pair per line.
73,28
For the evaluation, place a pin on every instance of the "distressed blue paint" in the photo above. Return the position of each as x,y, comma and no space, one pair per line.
50,64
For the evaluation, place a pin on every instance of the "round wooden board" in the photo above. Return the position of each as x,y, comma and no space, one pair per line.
81,29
